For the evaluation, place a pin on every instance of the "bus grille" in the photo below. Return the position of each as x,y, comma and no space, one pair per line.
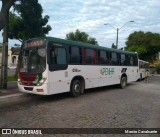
28,88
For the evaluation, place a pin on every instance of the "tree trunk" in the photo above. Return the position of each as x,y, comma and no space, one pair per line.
2,18
6,5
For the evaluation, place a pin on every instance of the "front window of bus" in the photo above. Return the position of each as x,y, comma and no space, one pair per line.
33,60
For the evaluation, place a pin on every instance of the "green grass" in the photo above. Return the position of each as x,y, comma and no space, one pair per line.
12,78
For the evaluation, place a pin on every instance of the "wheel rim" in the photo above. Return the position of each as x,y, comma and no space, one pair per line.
77,87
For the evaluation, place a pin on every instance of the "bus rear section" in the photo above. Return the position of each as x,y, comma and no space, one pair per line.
143,66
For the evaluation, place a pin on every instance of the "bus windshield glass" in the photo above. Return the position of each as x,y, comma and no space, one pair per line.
32,60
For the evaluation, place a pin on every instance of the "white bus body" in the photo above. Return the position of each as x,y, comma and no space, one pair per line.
75,77
143,66
60,81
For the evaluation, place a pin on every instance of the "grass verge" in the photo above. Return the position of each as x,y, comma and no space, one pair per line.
12,78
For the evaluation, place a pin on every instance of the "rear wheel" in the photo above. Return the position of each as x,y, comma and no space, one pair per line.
141,77
76,88
123,82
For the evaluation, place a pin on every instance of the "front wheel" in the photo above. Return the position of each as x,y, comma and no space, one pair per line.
123,82
76,88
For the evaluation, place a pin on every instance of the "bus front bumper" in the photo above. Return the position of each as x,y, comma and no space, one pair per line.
39,90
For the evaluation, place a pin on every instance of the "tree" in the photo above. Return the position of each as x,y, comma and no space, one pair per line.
82,37
156,65
147,45
29,22
114,46
6,5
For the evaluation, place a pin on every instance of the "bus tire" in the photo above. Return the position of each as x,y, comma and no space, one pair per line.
123,82
76,88
141,77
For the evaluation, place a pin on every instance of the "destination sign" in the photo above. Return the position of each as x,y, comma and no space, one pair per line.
37,43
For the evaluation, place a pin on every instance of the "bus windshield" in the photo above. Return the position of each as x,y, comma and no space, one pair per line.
32,60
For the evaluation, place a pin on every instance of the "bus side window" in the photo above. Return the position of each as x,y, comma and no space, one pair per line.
129,60
95,57
58,56
114,58
75,55
84,54
135,61
123,60
109,58
103,58
53,57
89,56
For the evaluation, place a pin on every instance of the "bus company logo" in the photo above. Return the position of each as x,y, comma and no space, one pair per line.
107,71
76,70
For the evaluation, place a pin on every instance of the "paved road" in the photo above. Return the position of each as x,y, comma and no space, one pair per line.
110,107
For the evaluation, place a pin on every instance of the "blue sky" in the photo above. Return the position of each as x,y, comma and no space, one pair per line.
91,15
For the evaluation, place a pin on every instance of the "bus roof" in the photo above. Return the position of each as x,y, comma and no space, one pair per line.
85,45
143,61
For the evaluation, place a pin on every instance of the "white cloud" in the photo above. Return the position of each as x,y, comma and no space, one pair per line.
90,16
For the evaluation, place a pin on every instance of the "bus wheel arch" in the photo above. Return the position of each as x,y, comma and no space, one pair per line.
123,81
77,86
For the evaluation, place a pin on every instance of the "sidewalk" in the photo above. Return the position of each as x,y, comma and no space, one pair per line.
11,91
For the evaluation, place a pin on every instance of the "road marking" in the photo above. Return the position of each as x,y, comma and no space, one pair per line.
10,96
4,91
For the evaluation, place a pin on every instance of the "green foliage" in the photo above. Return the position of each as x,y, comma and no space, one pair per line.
82,37
147,45
114,46
16,27
156,66
29,22
12,78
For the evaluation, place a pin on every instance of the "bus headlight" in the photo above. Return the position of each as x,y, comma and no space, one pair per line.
19,81
41,82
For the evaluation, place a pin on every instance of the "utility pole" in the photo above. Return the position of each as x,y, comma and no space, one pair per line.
4,67
117,39
117,29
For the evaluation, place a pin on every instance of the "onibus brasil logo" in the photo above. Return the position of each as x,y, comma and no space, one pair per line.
107,71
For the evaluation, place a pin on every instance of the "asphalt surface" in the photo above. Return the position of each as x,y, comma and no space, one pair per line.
10,92
137,106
